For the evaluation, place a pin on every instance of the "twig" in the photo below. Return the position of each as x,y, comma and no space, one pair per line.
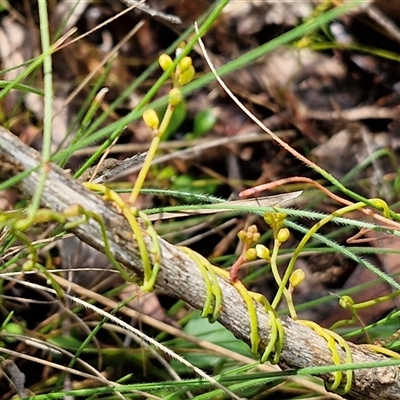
194,146
152,12
111,169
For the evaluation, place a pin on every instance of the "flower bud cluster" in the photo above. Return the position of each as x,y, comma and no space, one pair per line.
182,75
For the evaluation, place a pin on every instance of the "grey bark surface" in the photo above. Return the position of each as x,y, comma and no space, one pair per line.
180,276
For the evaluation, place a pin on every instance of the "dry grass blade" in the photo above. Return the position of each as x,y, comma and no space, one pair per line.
266,201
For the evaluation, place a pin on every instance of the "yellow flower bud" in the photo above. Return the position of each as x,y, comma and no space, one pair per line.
275,219
297,277
242,235
251,235
150,118
174,97
186,76
256,236
283,235
185,63
165,61
262,252
250,254
252,229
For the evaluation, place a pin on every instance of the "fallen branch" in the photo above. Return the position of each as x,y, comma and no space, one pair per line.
180,276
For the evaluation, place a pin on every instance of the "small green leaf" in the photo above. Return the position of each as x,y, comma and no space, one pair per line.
203,122
66,342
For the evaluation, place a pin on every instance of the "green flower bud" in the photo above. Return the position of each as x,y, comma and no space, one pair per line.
174,97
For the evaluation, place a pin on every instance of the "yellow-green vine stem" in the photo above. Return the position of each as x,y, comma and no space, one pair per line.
277,333
306,238
213,290
136,230
332,339
157,135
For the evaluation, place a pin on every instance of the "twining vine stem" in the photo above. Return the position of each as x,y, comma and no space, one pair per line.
179,275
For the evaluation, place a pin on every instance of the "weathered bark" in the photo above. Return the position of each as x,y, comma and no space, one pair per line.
180,276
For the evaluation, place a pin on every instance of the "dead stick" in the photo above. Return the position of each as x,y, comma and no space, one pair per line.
180,276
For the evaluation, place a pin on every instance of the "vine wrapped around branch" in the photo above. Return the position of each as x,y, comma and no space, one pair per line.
180,277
